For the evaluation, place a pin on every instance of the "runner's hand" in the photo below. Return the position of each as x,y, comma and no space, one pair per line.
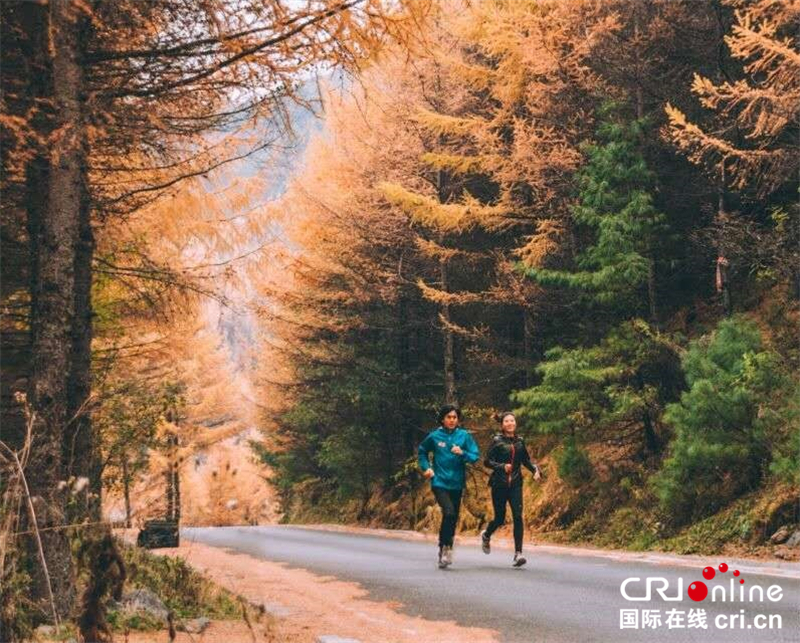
507,468
538,474
428,473
457,450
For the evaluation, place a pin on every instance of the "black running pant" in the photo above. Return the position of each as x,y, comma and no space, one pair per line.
513,496
450,502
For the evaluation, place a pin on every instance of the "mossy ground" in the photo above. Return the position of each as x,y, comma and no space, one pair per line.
187,593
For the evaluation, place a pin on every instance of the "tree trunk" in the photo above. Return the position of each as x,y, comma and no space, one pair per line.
126,490
651,441
170,479
721,245
404,366
449,360
527,344
53,309
173,480
651,288
176,484
81,449
651,262
447,333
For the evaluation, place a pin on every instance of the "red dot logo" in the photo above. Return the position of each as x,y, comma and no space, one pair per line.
708,573
697,591
736,573
723,567
742,581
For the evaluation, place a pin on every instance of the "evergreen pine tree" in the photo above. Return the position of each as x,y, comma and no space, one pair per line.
616,209
722,423
615,390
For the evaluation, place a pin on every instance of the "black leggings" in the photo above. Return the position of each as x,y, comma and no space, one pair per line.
450,502
513,496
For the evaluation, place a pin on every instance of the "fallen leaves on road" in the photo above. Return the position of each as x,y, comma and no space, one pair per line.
306,606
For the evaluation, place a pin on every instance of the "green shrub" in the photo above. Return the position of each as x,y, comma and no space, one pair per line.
614,390
573,463
184,591
722,423
785,439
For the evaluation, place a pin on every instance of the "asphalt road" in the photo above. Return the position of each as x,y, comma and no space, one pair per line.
558,596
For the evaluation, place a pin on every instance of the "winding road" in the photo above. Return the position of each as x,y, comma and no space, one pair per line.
562,594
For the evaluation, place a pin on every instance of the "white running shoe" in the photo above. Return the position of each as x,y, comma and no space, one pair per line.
485,543
447,557
519,559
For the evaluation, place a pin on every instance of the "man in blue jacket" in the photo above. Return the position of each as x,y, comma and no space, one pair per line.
452,447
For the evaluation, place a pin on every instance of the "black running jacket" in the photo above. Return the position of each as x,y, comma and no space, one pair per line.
505,451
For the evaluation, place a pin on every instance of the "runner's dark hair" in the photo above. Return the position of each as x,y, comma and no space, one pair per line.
502,416
447,408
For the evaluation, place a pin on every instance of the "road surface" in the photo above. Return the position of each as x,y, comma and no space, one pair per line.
558,596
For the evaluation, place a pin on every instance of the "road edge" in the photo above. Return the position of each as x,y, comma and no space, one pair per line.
779,569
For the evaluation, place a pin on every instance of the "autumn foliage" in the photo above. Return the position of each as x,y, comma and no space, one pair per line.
544,201
583,210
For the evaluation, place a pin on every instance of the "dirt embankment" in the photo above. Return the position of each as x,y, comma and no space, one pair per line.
617,509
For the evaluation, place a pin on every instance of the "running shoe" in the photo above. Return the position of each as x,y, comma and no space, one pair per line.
447,557
485,544
519,559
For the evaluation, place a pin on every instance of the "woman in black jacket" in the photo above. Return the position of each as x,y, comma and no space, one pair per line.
506,457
